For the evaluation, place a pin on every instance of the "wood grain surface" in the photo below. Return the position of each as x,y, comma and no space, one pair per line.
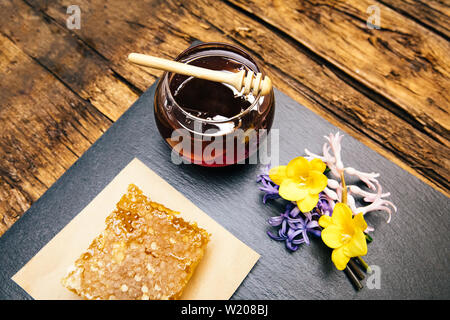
60,89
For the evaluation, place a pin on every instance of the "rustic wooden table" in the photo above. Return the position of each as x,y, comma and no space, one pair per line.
61,88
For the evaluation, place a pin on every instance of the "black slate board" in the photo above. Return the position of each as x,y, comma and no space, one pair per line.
411,251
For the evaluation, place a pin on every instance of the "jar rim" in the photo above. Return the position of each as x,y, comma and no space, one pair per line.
209,45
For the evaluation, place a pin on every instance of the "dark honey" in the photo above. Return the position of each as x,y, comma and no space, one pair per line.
207,99
222,122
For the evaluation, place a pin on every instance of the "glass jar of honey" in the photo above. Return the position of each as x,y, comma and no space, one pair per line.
211,123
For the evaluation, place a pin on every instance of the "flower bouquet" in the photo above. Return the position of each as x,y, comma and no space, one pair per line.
325,207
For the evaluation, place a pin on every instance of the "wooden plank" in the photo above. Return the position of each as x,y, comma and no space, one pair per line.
433,14
53,46
45,127
402,61
115,28
310,82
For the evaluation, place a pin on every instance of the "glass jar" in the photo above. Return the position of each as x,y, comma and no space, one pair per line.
210,123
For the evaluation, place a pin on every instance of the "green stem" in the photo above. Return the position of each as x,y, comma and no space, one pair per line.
356,270
364,264
353,279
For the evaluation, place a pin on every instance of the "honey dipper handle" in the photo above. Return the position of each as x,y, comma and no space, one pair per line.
181,68
234,79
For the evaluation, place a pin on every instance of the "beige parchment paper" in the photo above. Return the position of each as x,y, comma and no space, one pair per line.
226,262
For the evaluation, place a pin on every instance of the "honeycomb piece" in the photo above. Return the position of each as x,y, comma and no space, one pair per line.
145,252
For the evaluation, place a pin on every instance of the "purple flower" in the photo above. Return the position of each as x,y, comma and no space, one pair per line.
294,228
278,220
295,211
269,188
293,225
285,234
264,175
324,205
302,227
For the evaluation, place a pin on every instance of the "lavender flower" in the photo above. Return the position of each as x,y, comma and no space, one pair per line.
268,186
294,228
285,234
264,175
270,190
324,205
302,227
278,220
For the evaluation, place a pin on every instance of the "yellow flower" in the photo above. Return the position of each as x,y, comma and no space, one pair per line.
301,181
344,234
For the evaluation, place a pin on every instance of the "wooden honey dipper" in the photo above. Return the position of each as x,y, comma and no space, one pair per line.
242,79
